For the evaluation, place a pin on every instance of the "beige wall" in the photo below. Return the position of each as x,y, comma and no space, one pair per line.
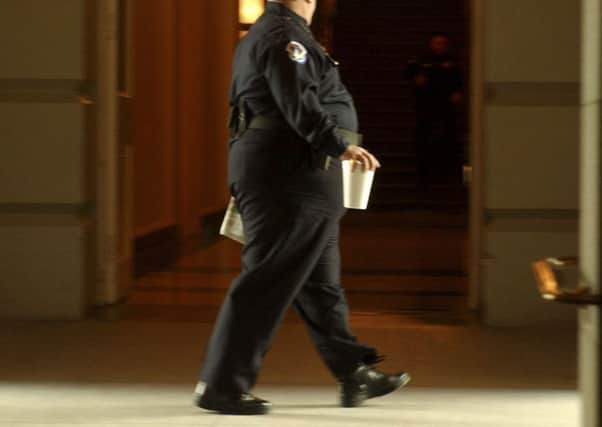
531,146
45,204
181,54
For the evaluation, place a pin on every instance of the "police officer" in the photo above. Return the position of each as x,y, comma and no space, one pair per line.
292,122
438,83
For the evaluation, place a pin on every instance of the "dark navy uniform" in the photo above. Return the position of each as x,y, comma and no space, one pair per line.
290,106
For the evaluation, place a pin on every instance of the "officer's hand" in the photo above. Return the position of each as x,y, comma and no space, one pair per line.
368,161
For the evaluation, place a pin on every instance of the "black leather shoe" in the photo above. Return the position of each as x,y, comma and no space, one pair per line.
232,404
366,382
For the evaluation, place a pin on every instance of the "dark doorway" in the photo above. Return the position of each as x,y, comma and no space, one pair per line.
414,253
374,41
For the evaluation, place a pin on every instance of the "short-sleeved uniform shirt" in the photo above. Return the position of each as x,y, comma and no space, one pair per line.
282,71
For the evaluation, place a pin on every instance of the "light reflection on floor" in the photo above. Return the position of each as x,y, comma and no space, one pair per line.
102,372
169,405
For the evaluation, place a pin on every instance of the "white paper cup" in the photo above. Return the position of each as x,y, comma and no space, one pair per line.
232,226
357,185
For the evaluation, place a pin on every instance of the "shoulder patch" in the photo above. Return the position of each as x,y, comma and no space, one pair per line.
297,52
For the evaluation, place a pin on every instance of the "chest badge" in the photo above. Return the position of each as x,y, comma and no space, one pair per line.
297,52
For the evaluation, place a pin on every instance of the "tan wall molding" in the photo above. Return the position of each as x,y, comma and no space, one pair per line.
45,90
532,220
47,208
44,214
533,94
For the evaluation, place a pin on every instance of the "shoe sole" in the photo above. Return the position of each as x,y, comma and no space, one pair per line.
258,410
348,402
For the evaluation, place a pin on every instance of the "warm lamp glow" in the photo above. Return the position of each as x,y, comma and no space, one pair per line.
250,10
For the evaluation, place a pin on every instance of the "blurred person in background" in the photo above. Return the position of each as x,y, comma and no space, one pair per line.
438,81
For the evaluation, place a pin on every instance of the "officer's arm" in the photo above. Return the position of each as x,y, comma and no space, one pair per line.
294,86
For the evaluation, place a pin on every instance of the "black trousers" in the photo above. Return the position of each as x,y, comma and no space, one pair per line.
291,216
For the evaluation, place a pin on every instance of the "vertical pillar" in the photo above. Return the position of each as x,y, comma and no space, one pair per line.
107,161
591,180
477,176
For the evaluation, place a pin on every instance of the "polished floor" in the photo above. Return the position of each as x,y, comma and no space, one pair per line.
103,372
136,364
140,405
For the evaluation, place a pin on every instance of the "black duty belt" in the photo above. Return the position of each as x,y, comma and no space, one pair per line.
320,160
275,123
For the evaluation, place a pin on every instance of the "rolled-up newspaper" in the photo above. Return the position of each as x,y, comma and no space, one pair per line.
232,226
